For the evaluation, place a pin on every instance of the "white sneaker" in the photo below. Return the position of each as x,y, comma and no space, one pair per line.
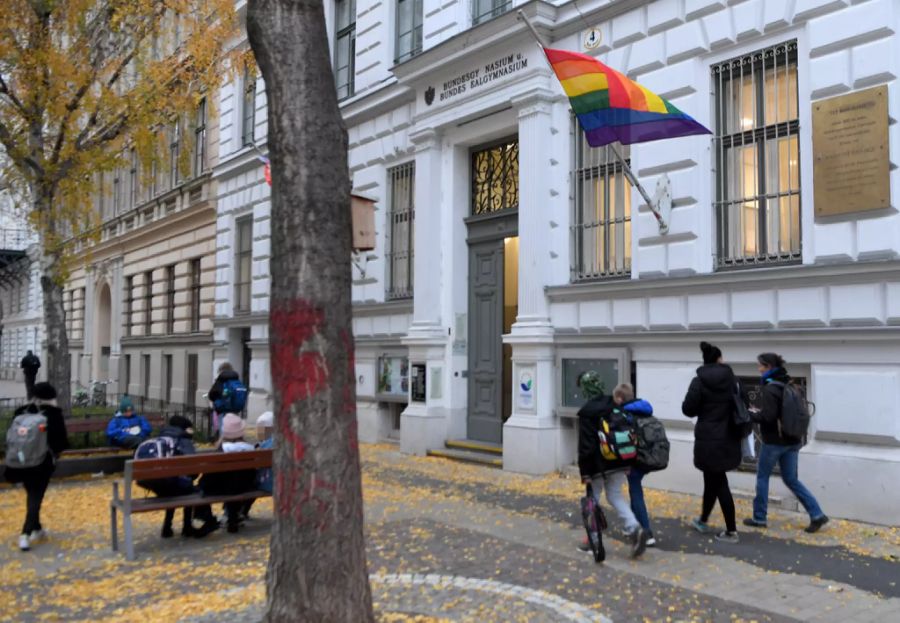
24,542
37,535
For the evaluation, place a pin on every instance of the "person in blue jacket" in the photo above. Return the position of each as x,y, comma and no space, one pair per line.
623,396
127,429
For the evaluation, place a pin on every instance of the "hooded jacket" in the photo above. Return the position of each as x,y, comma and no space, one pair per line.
590,460
118,427
769,414
57,441
184,441
215,392
638,408
710,398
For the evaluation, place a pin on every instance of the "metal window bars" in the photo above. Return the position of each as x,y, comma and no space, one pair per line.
757,159
495,178
401,231
601,229
483,10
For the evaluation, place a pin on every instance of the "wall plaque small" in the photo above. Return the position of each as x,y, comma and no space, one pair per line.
851,166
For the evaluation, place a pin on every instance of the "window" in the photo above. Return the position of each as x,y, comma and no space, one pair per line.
401,225
127,370
129,304
248,109
195,295
495,178
133,181
409,29
243,258
757,158
148,302
601,230
200,139
146,365
116,192
174,154
344,46
193,366
483,10
167,378
170,299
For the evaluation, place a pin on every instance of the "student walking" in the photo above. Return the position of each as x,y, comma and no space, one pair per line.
717,441
605,471
623,396
778,447
35,438
30,365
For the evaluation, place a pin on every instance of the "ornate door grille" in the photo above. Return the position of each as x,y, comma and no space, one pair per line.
495,178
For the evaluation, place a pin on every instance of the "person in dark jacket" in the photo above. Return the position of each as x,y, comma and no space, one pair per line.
599,471
181,430
226,373
127,429
778,447
30,365
36,479
717,441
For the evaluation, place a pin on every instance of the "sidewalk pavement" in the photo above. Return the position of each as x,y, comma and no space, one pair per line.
453,542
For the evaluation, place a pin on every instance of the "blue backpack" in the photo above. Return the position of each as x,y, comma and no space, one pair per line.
233,399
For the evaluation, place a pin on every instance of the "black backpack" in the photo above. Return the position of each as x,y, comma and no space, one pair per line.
652,444
795,411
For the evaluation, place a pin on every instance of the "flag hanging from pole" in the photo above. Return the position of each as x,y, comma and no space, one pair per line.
611,107
267,171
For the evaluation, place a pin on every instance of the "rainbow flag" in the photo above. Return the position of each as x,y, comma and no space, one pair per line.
611,107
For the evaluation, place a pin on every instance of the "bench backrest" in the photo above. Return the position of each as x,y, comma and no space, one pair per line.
203,463
98,424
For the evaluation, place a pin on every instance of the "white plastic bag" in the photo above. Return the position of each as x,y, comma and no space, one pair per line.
748,447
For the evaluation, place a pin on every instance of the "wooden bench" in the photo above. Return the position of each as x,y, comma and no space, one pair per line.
152,469
98,424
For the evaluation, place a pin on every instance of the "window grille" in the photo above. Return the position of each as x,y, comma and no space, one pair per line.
409,29
174,154
129,304
401,234
483,10
757,158
248,110
243,258
601,230
170,299
345,47
195,295
148,302
495,178
200,139
133,181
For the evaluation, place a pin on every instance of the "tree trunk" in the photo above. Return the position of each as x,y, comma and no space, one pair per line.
317,563
59,373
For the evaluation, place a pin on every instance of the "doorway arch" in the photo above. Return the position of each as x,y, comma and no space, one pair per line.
103,333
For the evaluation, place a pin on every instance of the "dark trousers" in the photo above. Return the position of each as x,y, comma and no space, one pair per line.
178,486
35,488
128,441
29,384
715,487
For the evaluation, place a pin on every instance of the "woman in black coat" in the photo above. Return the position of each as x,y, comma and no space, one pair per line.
717,441
35,479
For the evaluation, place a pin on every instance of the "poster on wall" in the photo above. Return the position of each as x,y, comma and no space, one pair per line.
393,376
526,388
573,368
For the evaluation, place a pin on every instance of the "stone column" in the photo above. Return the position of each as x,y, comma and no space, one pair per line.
424,423
531,434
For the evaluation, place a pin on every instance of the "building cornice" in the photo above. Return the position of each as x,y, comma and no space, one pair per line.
182,339
241,320
373,308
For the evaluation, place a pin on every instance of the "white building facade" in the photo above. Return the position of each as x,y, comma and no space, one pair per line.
511,257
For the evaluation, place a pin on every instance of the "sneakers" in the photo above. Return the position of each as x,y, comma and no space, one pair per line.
37,535
208,526
639,540
24,542
167,532
651,542
232,527
727,537
701,526
755,524
816,524
584,547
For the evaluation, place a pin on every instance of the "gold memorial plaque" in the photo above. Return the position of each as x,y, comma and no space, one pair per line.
851,167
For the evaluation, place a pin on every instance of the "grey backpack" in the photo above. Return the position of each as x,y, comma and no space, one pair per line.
26,441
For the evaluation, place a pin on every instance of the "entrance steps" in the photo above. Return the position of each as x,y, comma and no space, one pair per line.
466,451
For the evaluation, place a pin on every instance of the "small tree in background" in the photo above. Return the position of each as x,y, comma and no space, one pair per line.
82,82
317,560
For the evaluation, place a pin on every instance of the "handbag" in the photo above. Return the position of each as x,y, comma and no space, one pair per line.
741,416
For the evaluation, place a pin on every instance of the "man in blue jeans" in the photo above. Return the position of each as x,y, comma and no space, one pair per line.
778,448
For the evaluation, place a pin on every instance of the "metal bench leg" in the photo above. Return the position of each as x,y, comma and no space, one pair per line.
114,529
129,536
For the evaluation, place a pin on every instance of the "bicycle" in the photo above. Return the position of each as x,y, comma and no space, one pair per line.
80,397
594,523
98,392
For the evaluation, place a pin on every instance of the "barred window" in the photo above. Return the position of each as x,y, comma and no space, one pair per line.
174,154
601,230
129,304
243,259
133,180
483,10
344,47
248,109
409,29
757,158
495,178
401,225
195,295
170,299
148,302
200,139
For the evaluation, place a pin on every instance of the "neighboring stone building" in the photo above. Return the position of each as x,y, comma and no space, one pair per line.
511,257
139,306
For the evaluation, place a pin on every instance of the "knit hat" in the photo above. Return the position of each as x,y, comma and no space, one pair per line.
711,354
125,404
44,391
590,384
179,421
232,427
265,420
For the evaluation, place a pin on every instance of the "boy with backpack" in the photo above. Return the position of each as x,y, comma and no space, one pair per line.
783,419
227,395
652,450
606,451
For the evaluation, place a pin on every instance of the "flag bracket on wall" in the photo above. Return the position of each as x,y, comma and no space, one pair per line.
612,108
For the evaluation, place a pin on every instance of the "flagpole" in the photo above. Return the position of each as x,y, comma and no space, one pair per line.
626,169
